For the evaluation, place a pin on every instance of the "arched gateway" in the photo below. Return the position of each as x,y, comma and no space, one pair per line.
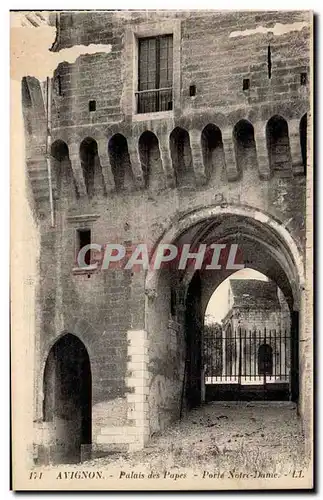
175,331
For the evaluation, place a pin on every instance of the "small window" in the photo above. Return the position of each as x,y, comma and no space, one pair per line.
92,106
246,84
192,90
155,74
303,78
84,238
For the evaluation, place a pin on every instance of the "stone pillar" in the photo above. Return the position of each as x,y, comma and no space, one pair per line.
230,161
55,167
166,159
77,168
295,147
197,157
105,165
135,163
262,152
138,382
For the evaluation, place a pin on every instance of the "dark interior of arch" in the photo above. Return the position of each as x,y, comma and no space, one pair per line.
120,162
91,167
67,397
245,146
181,155
278,144
65,181
150,160
212,149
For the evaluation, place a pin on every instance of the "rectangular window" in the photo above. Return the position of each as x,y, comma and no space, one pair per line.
155,74
84,238
303,78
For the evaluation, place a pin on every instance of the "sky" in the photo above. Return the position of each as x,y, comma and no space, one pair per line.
217,307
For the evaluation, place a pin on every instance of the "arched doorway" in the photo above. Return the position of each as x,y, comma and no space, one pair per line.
265,360
176,336
67,399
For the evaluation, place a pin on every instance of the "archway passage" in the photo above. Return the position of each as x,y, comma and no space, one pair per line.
67,399
176,329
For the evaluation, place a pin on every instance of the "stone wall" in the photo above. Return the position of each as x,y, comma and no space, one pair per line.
215,52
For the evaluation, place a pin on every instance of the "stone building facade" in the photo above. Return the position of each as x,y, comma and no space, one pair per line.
256,323
191,129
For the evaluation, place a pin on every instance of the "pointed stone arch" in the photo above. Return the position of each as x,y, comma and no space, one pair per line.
245,145
150,160
65,181
181,155
278,146
263,241
212,149
91,167
120,162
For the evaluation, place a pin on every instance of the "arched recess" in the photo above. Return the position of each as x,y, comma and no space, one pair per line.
150,160
245,145
91,167
267,247
212,150
181,155
303,140
67,404
265,359
65,181
278,146
120,162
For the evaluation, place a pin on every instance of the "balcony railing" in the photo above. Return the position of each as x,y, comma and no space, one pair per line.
151,101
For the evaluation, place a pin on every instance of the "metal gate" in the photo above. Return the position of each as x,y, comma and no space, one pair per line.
246,365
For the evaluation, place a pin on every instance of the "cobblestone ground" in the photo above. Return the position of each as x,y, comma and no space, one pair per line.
247,436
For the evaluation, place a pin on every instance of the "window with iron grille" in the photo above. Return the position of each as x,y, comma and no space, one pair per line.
155,76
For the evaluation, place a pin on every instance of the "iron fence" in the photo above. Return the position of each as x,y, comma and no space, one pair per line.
247,357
